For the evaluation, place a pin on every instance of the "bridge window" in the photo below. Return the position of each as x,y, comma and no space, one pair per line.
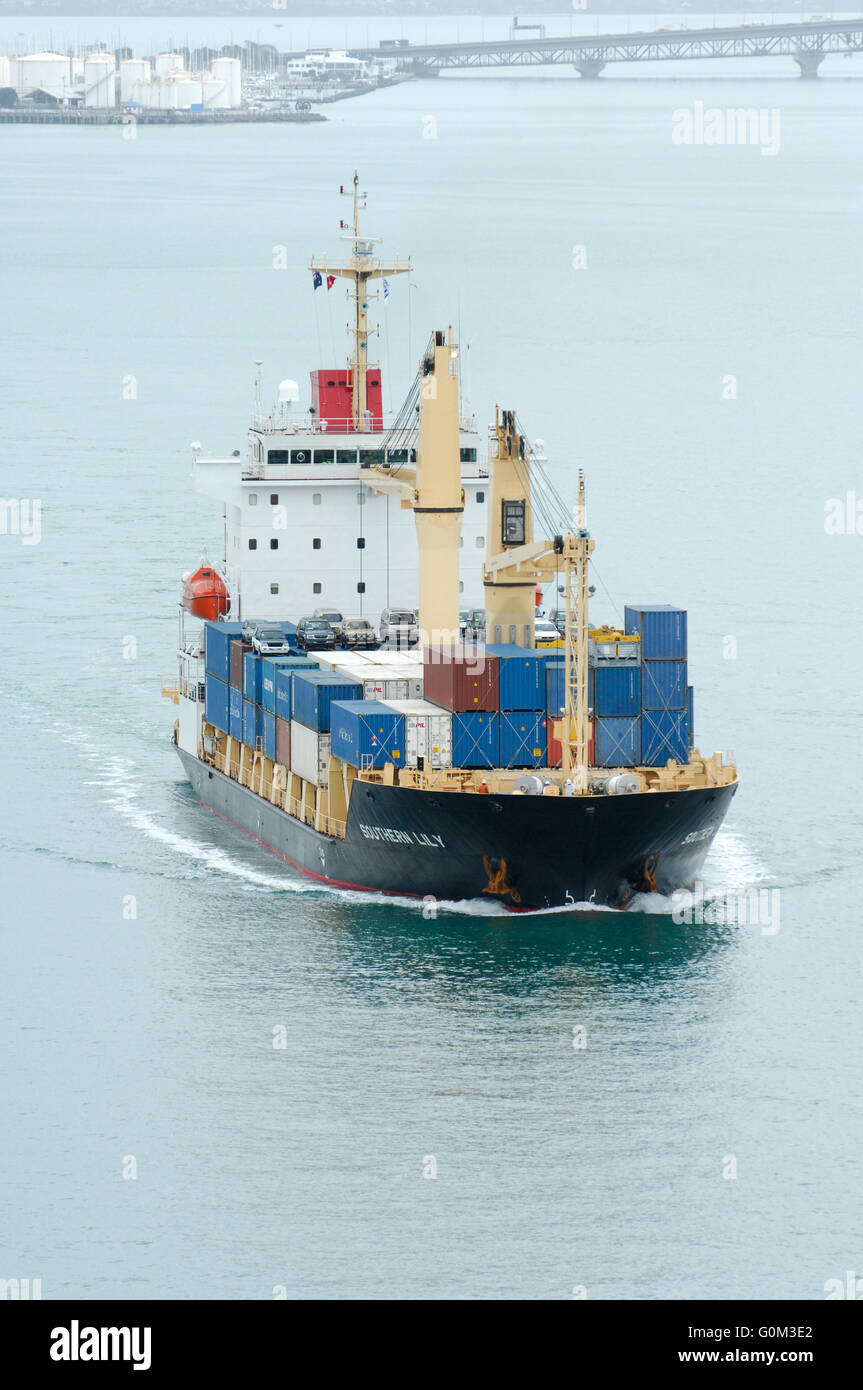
300,457
468,455
370,458
397,455
278,458
325,456
346,455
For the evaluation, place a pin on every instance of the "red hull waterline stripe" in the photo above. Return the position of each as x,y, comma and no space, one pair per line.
310,873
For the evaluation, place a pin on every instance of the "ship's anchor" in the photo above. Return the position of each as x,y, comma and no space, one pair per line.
647,882
498,880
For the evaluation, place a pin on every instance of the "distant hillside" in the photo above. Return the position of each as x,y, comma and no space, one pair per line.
296,9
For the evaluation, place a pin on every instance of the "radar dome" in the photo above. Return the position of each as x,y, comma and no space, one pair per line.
288,391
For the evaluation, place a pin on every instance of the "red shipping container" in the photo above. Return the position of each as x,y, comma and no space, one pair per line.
461,679
237,650
555,749
283,741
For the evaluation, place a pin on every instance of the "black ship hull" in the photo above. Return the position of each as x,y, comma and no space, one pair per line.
528,852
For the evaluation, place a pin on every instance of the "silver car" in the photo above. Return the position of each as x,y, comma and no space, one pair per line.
399,628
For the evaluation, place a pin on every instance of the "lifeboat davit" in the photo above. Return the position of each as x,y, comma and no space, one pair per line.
205,594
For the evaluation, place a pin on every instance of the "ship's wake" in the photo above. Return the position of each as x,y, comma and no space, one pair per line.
731,870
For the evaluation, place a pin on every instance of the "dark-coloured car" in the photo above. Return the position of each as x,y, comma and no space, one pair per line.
315,635
333,617
359,633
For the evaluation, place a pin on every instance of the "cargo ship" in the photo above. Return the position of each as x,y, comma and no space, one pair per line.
471,765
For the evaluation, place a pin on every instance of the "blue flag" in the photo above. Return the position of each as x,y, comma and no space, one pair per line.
386,289
316,280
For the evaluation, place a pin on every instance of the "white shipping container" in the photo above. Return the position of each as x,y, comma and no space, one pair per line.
392,683
428,732
310,754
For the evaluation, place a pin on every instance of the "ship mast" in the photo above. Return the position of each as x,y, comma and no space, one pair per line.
576,554
359,270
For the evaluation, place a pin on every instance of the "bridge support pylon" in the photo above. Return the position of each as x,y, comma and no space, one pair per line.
809,62
588,67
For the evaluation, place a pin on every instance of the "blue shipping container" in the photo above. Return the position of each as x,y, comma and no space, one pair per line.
661,627
476,739
617,741
252,677
663,685
284,684
235,713
270,667
523,738
312,693
521,675
217,648
250,723
216,709
366,733
555,688
267,726
664,735
617,690
690,715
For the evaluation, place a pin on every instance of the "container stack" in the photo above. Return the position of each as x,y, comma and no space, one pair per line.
522,686
313,694
665,705
219,642
466,681
241,690
366,733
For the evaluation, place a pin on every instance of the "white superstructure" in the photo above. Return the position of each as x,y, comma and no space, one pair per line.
304,526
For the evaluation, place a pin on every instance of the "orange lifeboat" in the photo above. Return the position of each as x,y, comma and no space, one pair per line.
205,593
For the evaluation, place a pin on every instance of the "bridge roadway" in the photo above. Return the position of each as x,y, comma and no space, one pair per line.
807,43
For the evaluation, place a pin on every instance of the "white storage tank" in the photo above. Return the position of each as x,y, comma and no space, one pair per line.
190,92
100,87
42,70
168,62
144,93
216,92
166,91
132,71
230,70
8,72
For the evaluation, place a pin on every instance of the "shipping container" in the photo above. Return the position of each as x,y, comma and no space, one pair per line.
237,653
235,713
287,669
428,732
663,684
462,679
267,726
617,690
521,675
617,741
523,738
270,665
251,723
366,733
661,627
310,753
609,649
664,735
690,715
475,739
217,648
312,694
252,677
555,688
283,742
555,746
391,683
216,707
